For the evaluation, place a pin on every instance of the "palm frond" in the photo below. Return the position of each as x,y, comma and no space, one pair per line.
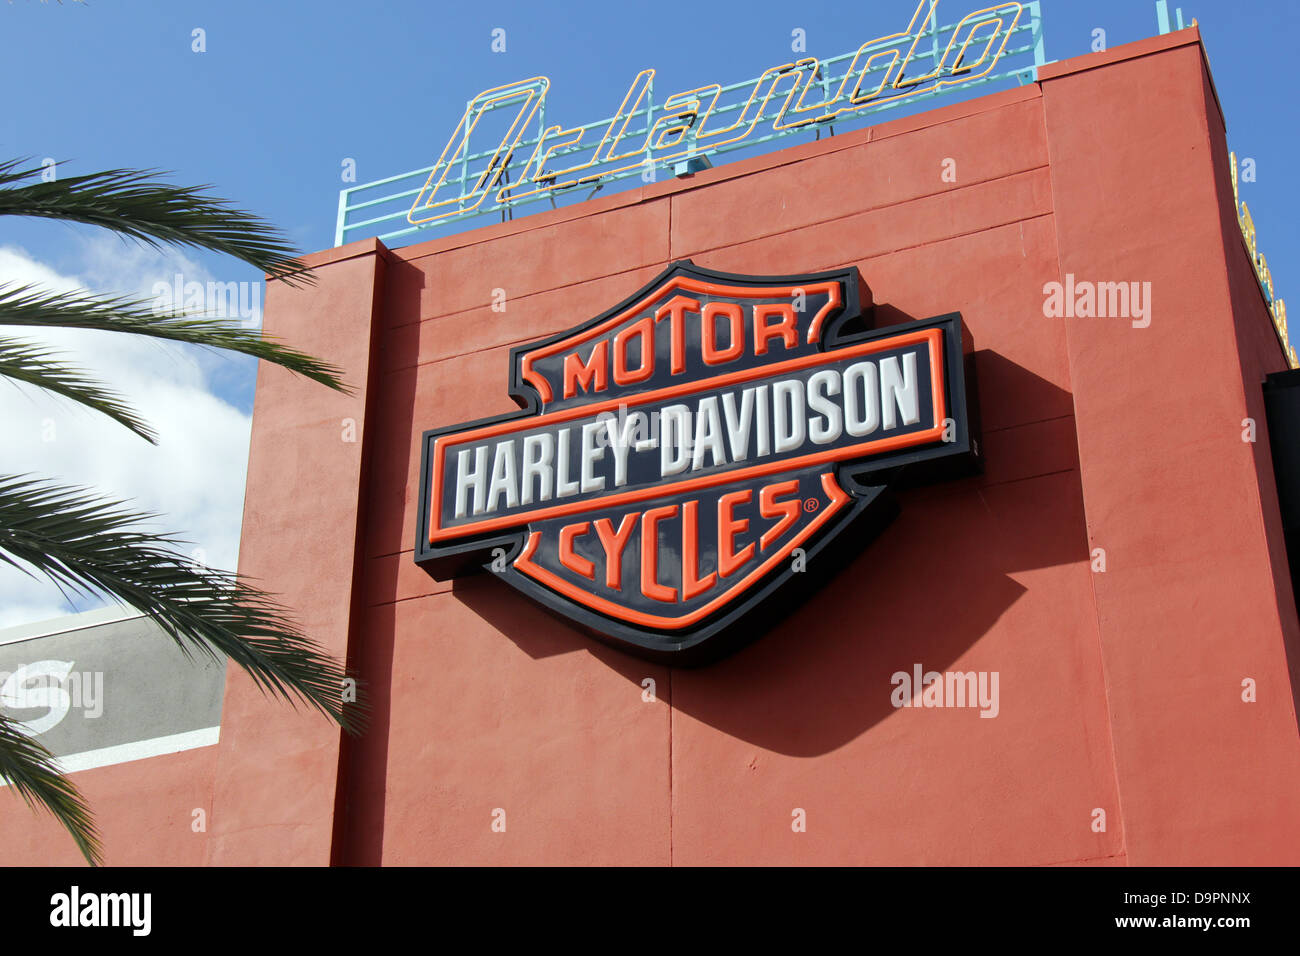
30,770
131,202
32,365
83,542
31,306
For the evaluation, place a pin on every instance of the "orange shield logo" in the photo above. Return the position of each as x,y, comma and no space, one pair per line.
685,465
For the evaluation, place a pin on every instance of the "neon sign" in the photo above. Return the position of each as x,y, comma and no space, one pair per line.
799,95
1276,307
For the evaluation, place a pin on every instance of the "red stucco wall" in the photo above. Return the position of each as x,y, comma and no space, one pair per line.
1120,691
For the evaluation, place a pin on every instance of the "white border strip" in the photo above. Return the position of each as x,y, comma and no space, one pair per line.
138,750
68,624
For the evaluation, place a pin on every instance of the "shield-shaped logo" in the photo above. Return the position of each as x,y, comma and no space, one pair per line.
693,461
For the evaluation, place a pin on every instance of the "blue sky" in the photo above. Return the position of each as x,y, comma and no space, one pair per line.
286,90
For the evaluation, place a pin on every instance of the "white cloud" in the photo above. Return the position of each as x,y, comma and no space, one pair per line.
194,476
12,615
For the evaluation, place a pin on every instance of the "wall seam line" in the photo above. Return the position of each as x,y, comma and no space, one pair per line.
1092,577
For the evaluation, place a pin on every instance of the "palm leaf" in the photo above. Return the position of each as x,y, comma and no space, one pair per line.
30,306
130,202
32,365
86,543
31,770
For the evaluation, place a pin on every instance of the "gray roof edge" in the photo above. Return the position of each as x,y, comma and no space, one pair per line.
68,623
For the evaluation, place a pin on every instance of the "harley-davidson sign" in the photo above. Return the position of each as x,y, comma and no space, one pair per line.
696,455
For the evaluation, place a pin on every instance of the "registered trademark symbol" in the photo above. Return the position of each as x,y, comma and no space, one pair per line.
811,504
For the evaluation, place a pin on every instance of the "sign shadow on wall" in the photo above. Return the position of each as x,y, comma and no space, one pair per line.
924,591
